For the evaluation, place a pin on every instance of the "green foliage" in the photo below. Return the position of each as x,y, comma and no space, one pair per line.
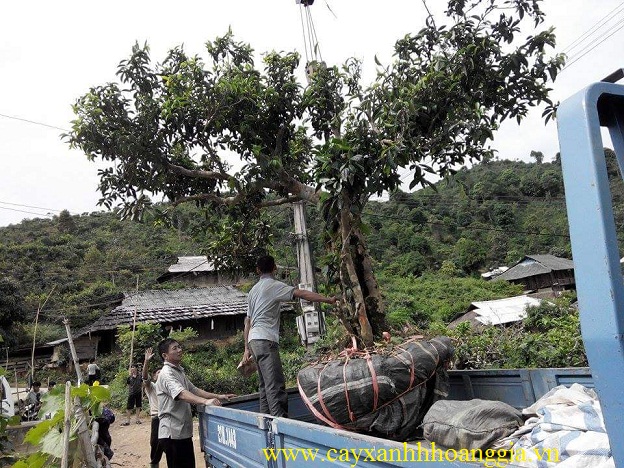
183,336
47,435
90,265
434,297
550,336
46,332
146,335
394,237
11,308
334,337
119,388
212,366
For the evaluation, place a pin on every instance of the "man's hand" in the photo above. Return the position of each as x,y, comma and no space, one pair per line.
332,300
246,355
226,396
212,402
149,354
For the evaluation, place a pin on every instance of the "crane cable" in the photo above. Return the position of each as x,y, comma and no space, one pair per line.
310,39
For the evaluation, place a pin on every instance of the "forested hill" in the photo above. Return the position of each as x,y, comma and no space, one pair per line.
489,215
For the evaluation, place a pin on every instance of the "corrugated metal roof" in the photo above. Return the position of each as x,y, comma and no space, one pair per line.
188,264
533,265
510,309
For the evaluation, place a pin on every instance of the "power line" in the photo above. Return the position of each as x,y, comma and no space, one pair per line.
29,206
619,26
28,212
34,122
597,25
600,35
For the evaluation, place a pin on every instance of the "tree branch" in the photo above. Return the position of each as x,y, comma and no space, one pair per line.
280,201
216,199
199,174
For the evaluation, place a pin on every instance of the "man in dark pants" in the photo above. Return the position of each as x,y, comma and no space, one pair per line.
175,394
149,386
262,333
135,400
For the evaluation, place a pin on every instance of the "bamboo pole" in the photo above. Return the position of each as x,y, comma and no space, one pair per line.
66,426
32,354
133,325
16,386
84,439
73,351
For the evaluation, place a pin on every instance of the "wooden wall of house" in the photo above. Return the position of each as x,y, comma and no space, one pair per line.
220,327
563,279
86,348
206,280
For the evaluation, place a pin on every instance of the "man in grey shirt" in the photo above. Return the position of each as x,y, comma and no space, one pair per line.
175,394
262,333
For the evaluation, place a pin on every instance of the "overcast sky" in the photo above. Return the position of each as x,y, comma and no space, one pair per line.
52,52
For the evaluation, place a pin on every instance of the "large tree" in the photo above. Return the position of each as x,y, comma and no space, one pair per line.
169,129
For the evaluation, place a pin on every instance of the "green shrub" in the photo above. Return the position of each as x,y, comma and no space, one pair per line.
146,335
183,336
550,336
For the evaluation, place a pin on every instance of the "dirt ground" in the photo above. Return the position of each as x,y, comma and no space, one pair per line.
131,443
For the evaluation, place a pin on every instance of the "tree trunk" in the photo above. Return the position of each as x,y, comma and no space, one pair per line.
364,314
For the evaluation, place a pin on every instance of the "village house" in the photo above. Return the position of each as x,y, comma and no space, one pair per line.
216,312
539,272
211,305
197,271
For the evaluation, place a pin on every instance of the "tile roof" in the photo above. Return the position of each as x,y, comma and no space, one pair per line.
162,306
533,265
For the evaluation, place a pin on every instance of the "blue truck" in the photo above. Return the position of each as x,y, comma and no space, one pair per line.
239,437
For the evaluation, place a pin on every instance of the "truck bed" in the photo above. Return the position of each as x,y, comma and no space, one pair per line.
238,436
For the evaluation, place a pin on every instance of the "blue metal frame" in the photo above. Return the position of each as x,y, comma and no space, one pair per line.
599,283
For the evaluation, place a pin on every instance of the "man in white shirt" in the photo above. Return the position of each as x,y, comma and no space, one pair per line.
262,333
93,371
149,386
176,393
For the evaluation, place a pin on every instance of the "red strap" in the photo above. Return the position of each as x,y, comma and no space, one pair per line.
315,412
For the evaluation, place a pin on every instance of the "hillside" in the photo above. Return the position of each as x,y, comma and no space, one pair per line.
489,215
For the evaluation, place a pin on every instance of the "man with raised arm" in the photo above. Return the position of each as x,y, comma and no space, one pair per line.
262,333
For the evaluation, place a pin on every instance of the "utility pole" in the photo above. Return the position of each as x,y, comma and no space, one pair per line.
72,349
311,324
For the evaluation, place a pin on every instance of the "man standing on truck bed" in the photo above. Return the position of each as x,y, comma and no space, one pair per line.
262,333
175,394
